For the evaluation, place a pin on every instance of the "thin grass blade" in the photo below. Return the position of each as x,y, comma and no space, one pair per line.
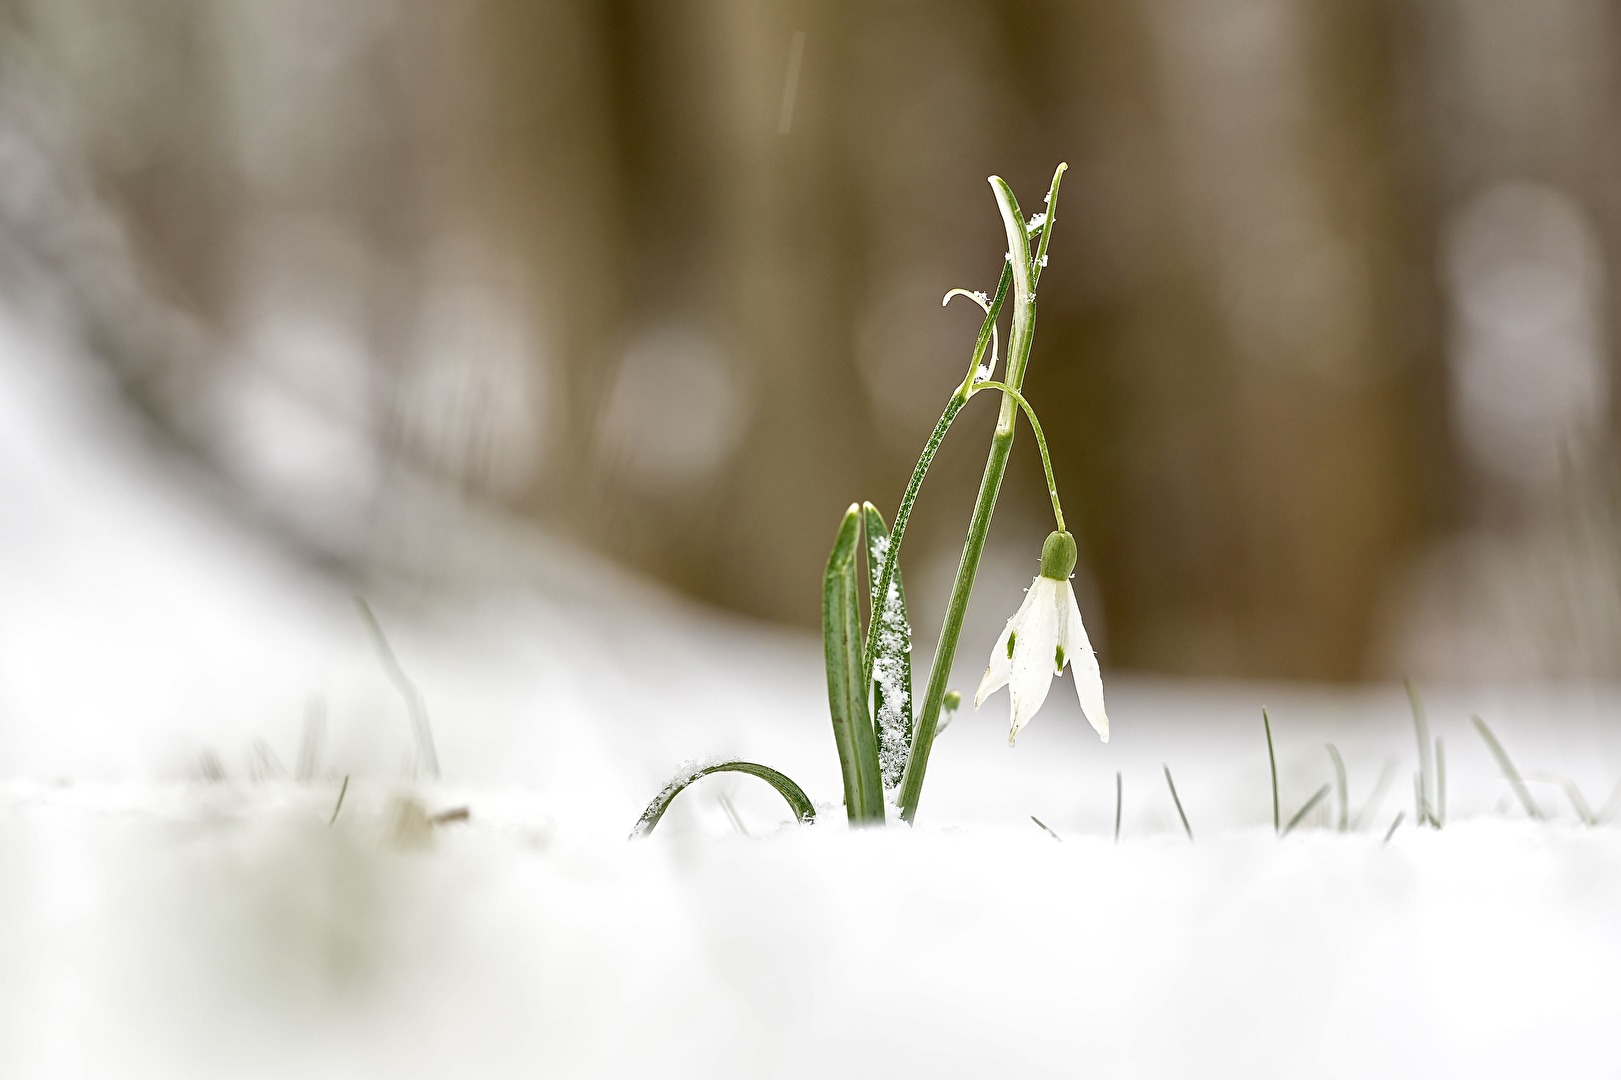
1504,763
1044,827
846,690
342,791
1381,785
1177,800
415,705
1440,808
1272,761
1119,794
1300,814
792,793
1394,825
1421,730
891,628
1342,786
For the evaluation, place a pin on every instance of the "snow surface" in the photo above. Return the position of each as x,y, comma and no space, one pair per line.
156,924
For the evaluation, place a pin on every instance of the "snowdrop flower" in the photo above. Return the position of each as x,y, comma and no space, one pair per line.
1043,635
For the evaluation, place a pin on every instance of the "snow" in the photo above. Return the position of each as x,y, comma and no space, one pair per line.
156,924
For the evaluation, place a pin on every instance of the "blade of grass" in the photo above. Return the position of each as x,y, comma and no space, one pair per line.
309,747
1610,805
1043,825
846,688
1504,763
792,793
415,706
1394,825
1387,775
1119,790
1440,783
731,812
342,791
1343,786
1177,800
1322,792
1272,762
212,768
1421,729
1578,802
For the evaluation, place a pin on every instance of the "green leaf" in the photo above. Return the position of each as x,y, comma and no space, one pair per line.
846,689
791,792
891,628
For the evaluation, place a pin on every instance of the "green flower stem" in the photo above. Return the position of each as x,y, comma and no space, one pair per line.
1041,440
1024,325
904,513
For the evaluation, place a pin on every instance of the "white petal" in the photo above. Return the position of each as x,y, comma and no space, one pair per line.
1001,665
1034,649
1084,662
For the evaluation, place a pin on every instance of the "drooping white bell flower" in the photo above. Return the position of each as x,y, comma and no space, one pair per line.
1044,635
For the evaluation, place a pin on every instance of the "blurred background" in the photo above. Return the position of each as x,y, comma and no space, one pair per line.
1327,345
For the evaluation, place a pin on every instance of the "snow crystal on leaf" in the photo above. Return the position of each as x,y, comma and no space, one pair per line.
890,670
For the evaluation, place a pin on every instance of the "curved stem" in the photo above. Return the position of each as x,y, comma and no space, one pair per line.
1041,440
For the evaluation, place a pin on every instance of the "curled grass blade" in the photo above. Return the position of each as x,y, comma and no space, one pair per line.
1504,763
792,793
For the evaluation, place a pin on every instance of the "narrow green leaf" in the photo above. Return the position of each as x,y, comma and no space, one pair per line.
890,627
846,691
791,792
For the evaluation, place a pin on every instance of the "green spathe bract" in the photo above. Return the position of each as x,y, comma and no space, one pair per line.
869,674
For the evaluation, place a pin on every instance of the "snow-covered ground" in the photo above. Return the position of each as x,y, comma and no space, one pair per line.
155,922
